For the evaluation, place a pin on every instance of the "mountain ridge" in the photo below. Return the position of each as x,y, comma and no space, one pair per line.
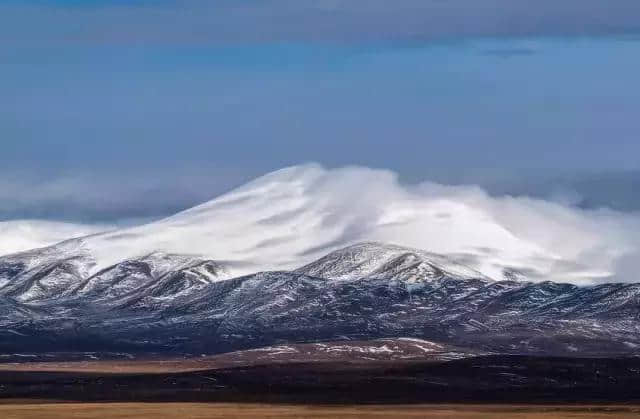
365,291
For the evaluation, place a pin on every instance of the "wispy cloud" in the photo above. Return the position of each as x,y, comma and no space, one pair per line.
19,235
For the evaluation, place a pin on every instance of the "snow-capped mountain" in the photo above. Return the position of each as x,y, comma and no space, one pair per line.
294,216
280,259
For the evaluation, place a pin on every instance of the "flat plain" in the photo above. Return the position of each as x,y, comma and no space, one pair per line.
25,410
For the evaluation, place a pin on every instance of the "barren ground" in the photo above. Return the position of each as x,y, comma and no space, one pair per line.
233,410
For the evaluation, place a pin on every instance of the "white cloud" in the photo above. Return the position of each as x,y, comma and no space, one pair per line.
19,235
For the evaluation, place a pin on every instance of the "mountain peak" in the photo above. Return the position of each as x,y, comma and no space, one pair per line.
295,215
377,260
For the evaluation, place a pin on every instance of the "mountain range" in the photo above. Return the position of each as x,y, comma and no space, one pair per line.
166,302
272,267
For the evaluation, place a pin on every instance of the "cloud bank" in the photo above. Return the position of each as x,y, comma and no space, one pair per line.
293,216
19,235
232,21
112,197
135,196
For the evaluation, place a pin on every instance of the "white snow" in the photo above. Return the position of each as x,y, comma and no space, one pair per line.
424,345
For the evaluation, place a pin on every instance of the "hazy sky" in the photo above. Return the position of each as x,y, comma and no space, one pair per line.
113,110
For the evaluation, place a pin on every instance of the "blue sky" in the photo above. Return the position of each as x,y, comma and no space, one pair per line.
114,109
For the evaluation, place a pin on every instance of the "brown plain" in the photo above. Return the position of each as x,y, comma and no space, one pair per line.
11,410
403,350
124,366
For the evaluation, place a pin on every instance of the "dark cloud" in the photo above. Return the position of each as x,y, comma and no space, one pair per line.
203,21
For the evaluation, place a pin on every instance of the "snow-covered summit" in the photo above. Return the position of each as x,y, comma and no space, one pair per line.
291,217
386,261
